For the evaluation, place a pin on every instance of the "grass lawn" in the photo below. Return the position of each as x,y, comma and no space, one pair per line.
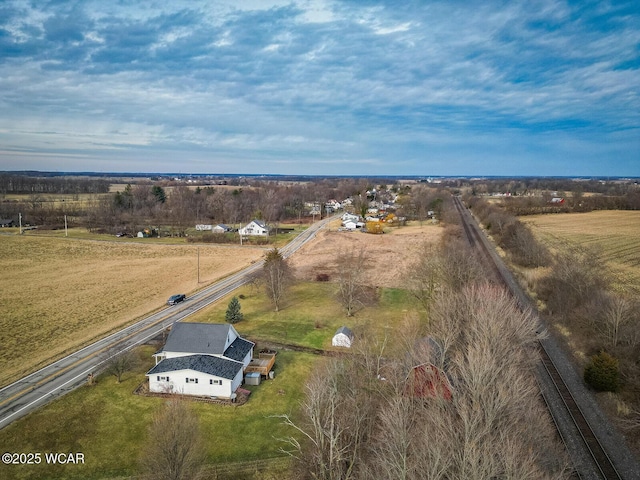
310,315
109,424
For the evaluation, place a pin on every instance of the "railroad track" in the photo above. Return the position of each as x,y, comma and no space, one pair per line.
604,466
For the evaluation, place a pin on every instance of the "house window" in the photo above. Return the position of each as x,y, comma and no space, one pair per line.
215,382
163,379
192,380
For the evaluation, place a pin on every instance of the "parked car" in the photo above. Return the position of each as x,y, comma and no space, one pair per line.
174,299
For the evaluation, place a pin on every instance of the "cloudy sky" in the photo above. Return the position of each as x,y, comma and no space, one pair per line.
321,87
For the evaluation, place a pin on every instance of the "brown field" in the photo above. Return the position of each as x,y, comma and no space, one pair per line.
615,233
57,294
388,256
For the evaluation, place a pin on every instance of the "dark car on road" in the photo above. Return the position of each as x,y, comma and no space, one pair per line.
174,299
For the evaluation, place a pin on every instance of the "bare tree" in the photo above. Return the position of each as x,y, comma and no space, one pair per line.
337,422
579,274
424,277
351,265
459,264
118,362
497,422
277,277
174,449
617,314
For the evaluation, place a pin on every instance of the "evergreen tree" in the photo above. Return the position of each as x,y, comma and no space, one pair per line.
602,373
159,194
233,315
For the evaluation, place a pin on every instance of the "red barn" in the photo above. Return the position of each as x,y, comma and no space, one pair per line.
428,381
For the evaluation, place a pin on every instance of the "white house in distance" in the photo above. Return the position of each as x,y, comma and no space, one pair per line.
255,227
351,221
201,359
342,338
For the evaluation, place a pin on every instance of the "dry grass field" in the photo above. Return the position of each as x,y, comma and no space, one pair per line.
57,294
615,233
388,256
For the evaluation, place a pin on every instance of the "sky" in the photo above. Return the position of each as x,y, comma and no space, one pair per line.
321,87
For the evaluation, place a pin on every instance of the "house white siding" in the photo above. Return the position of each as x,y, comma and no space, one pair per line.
190,382
254,228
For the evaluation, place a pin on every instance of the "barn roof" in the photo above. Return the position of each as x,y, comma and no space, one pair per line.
346,331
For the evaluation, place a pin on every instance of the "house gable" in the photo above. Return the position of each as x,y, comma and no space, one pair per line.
255,227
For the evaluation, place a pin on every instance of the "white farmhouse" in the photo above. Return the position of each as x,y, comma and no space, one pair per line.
201,359
256,228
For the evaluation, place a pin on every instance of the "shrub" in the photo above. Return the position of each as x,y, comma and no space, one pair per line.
602,372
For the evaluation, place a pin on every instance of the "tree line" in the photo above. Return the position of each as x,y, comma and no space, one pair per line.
173,208
24,184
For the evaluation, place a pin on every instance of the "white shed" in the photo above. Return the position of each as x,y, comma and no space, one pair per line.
342,338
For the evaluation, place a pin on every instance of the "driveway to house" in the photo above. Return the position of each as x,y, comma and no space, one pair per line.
62,376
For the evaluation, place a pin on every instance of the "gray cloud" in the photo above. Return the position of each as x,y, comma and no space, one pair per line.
310,85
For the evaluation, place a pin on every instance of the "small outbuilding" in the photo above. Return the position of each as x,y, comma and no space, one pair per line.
343,338
221,228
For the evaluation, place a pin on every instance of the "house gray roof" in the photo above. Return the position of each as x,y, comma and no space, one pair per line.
206,338
216,366
259,222
186,337
346,331
238,349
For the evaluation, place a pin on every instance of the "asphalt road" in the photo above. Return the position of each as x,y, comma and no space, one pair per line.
62,376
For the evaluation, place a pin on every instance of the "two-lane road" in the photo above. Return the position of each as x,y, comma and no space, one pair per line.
58,378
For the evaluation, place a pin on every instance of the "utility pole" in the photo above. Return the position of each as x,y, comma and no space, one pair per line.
198,265
20,221
66,232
